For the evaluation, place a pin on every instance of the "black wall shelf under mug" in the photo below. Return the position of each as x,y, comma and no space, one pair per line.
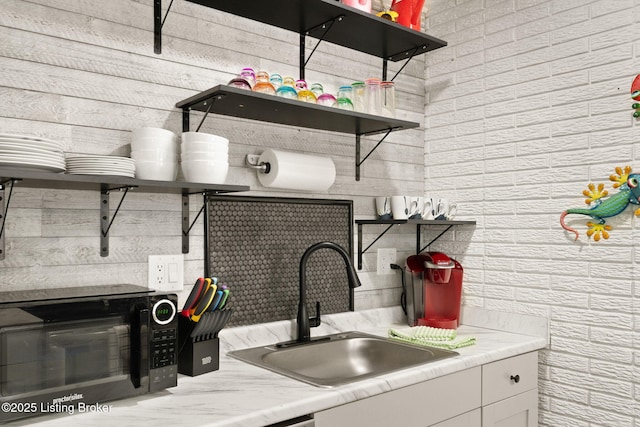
419,223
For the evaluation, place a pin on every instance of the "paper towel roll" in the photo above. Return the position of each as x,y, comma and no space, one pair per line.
295,171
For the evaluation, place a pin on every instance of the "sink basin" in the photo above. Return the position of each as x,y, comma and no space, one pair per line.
340,358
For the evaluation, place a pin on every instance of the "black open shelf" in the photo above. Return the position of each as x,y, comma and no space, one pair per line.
236,102
413,221
105,184
352,28
419,223
40,179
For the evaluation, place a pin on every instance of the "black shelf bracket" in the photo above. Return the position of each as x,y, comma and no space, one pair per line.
5,209
410,53
419,238
391,222
185,113
326,26
363,251
158,23
105,223
186,226
358,151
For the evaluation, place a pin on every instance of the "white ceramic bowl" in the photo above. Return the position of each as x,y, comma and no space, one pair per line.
155,156
157,144
203,137
157,171
204,146
205,171
214,157
151,132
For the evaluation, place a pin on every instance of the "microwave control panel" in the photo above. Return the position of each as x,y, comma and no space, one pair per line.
163,335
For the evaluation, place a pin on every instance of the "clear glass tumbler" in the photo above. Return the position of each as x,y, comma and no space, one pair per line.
304,94
287,90
317,89
388,99
239,82
327,99
276,80
249,75
372,97
358,96
345,98
263,84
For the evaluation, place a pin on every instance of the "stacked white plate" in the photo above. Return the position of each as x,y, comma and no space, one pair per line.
85,164
31,152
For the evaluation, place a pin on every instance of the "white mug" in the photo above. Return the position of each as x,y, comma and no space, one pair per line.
416,207
383,207
428,210
400,207
443,209
453,208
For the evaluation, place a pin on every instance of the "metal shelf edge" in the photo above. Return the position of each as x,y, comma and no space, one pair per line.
41,179
245,104
382,38
414,221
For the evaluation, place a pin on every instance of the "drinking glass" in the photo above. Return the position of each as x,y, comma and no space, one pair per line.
372,98
388,99
304,94
317,89
344,98
287,90
263,84
249,75
327,99
358,96
276,80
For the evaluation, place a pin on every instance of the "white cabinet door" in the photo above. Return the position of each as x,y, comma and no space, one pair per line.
518,411
418,405
470,419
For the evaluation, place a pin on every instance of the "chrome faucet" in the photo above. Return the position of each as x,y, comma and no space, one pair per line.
304,323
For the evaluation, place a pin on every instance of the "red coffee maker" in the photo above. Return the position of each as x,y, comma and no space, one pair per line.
438,305
442,291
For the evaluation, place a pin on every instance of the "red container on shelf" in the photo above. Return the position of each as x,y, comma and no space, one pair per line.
442,291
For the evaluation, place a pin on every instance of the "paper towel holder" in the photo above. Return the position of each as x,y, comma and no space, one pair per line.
252,161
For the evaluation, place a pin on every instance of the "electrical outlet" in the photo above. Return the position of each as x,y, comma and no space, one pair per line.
166,272
386,257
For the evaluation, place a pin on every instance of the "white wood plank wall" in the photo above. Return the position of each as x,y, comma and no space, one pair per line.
84,72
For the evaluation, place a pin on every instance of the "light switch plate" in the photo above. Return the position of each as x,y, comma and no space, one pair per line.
166,272
386,257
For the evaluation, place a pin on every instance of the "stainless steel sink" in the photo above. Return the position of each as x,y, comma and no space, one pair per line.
340,358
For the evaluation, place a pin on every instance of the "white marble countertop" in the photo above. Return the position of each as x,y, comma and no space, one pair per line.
239,394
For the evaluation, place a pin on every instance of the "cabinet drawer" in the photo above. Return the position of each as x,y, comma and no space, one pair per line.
508,377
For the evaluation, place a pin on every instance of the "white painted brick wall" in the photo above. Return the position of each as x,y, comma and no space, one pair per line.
527,104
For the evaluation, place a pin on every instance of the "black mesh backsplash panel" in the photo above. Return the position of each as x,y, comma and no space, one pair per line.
255,245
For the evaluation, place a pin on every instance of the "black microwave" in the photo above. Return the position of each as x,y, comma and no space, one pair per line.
64,350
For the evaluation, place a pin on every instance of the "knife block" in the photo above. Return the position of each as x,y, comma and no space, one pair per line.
199,345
